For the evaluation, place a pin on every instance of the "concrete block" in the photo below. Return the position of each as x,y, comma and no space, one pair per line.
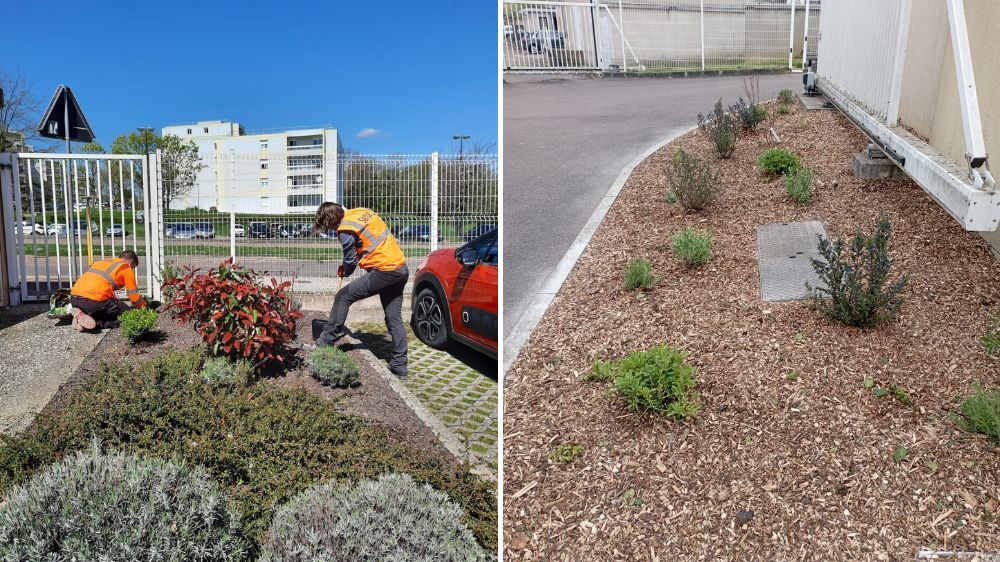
867,168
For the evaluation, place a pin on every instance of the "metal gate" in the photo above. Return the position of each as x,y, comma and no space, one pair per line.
551,36
64,211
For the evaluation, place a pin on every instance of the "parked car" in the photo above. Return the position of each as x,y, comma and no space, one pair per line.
204,229
279,230
455,296
56,229
140,216
259,230
238,231
415,233
301,230
544,40
185,231
116,230
478,230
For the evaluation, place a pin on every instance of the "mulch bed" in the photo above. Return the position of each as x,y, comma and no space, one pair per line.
373,400
811,458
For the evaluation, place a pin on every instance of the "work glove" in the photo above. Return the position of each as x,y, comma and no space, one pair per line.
340,270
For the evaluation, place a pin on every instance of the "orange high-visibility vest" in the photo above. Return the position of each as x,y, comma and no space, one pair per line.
378,249
104,277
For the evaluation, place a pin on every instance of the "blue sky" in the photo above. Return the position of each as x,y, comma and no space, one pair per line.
411,73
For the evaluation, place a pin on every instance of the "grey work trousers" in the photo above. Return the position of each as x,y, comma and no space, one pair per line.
388,285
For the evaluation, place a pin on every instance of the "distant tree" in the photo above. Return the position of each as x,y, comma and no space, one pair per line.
21,110
180,164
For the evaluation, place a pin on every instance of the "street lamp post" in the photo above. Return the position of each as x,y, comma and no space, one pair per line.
461,143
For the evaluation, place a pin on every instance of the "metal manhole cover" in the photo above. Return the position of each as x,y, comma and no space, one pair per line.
783,253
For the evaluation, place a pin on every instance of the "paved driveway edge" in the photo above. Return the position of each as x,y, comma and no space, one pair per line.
516,339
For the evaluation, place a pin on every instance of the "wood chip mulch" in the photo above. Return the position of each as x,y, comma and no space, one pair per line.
776,467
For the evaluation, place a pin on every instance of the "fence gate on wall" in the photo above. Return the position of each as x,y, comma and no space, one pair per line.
551,36
63,211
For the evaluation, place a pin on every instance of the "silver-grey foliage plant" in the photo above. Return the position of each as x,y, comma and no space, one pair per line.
112,506
334,367
391,518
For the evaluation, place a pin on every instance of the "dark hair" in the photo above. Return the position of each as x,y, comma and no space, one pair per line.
129,256
328,217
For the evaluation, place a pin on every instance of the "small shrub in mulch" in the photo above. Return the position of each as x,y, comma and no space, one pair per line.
334,367
980,413
658,379
799,185
721,128
991,340
783,109
778,161
786,96
638,275
693,183
263,443
96,505
387,518
137,323
566,453
223,371
856,286
749,115
694,247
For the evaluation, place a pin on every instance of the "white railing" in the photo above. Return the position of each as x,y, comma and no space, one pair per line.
656,35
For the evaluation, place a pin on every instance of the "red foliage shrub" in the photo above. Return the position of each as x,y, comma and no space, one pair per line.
235,313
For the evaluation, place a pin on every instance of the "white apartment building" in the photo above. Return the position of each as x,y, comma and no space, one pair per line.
275,172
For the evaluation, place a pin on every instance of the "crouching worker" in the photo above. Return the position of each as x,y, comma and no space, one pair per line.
367,243
93,295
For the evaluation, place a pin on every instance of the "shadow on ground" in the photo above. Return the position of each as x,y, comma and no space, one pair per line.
379,343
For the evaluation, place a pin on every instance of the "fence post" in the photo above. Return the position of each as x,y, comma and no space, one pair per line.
791,34
147,221
805,37
621,31
155,220
434,201
10,250
232,234
703,35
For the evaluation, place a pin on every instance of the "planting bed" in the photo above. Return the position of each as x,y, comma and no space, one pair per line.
792,455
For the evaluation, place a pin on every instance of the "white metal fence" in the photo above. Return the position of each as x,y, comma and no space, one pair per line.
264,218
66,210
658,35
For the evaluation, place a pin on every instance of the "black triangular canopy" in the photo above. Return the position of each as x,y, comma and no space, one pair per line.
52,125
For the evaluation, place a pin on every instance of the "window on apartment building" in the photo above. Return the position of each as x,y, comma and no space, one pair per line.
305,200
264,183
263,165
263,144
189,131
317,141
265,201
206,130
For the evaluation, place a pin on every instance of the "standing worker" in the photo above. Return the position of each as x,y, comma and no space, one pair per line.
93,300
365,237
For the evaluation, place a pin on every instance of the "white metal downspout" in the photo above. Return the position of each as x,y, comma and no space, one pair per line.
975,146
899,61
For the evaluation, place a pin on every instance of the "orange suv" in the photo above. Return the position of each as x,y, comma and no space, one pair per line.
455,296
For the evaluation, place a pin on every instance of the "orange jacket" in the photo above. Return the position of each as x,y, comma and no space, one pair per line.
378,249
104,277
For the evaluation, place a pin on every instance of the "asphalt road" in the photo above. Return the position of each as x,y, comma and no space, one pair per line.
566,139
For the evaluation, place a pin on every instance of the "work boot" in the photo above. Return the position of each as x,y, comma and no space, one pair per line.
82,321
399,370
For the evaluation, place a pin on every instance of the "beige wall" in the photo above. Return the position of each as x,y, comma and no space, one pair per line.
929,102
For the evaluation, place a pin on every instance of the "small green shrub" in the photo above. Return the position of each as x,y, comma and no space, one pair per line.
692,183
658,379
721,128
566,453
638,275
263,444
991,341
692,246
980,413
901,394
786,96
783,109
749,115
333,367
113,506
136,323
223,371
20,457
778,161
855,282
389,518
799,185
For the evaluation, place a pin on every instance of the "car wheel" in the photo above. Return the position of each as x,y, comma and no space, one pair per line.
428,318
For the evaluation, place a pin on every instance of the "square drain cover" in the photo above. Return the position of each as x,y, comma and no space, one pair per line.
783,252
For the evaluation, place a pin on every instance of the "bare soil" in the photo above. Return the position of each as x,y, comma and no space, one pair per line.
373,399
791,456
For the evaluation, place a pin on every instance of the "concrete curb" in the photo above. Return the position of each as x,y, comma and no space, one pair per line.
444,435
515,340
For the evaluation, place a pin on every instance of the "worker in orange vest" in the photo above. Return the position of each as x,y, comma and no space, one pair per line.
93,299
367,243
